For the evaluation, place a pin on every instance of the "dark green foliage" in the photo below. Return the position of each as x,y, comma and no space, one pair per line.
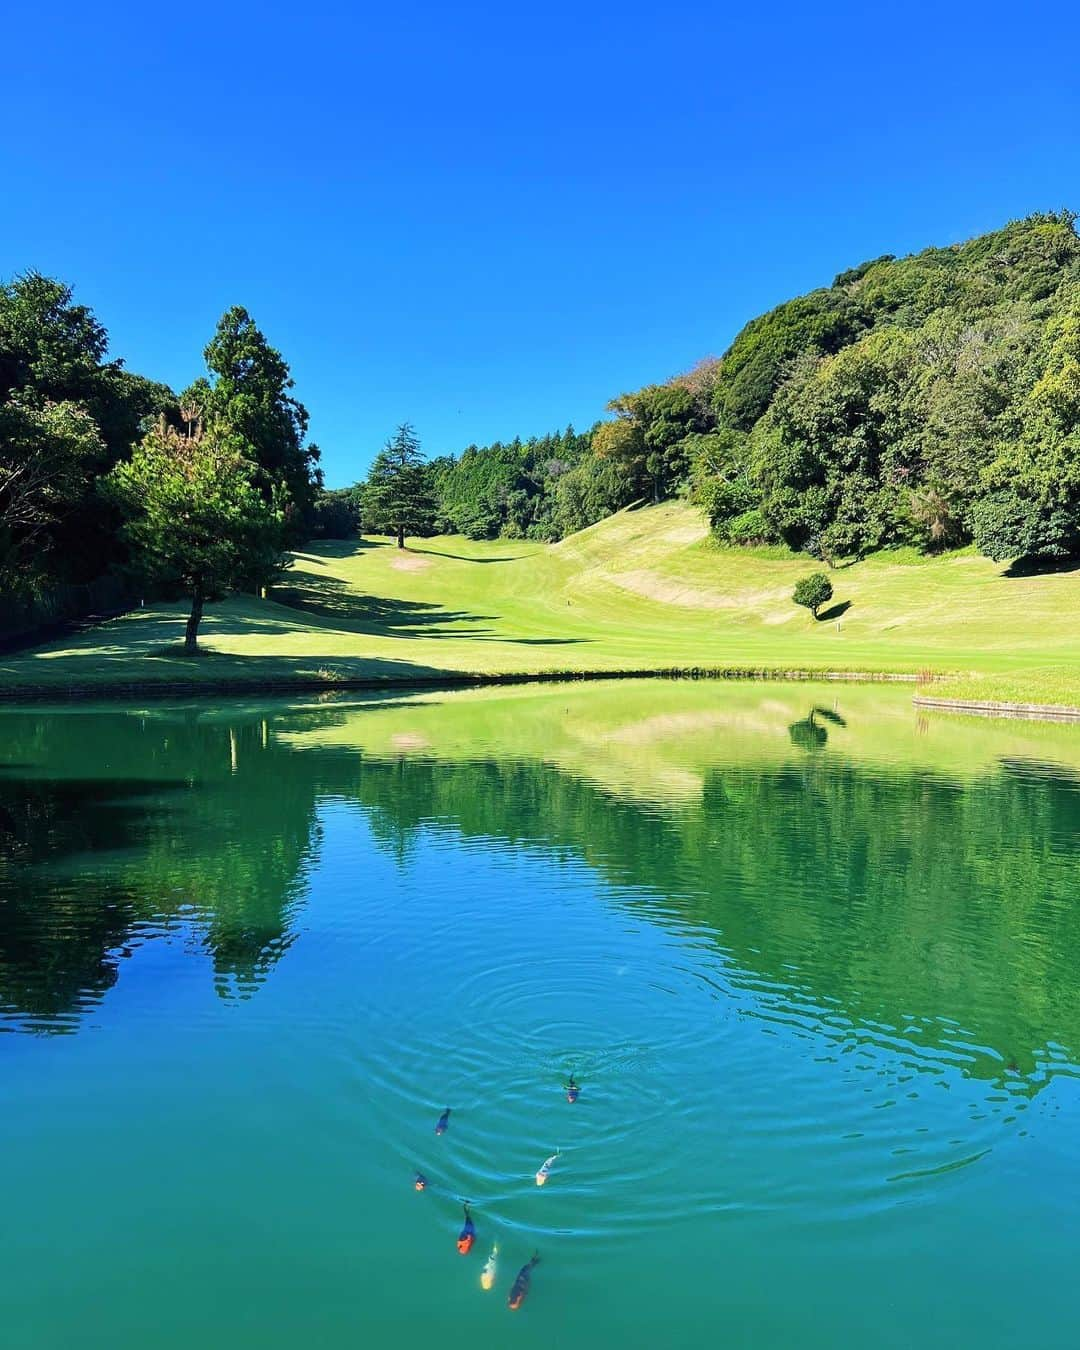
336,513
249,391
753,367
592,490
397,497
70,421
929,400
813,591
1032,502
509,489
67,415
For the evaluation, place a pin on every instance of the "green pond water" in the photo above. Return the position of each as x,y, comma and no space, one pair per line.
814,960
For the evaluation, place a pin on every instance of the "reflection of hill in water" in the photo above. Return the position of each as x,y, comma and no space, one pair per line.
895,908
874,903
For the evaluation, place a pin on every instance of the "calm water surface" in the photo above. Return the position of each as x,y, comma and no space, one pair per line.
815,961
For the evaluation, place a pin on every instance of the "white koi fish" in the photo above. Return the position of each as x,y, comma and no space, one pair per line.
487,1275
545,1170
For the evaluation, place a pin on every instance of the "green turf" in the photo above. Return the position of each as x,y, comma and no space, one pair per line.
645,589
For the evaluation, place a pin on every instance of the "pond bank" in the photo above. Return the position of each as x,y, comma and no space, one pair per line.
156,689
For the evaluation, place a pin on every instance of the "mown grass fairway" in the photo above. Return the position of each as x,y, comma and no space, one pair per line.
643,590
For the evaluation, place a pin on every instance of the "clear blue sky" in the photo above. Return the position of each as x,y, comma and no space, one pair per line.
489,219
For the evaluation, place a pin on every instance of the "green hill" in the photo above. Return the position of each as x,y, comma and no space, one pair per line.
645,589
930,401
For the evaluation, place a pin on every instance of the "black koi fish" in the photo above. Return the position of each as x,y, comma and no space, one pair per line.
520,1287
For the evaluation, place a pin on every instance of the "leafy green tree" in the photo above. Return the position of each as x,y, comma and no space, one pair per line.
838,445
249,392
649,435
398,496
754,367
196,515
336,514
48,452
623,443
67,414
813,591
1031,507
590,491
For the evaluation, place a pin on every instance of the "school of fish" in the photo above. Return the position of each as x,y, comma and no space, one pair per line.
467,1237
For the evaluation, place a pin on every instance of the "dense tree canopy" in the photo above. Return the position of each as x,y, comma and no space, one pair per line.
72,420
516,488
940,407
250,392
196,516
67,414
397,498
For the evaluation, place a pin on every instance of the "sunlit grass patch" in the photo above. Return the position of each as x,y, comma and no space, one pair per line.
645,590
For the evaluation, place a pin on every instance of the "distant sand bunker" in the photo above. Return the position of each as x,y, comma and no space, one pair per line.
409,562
409,740
671,591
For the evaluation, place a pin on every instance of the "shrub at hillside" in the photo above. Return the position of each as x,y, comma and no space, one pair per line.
813,591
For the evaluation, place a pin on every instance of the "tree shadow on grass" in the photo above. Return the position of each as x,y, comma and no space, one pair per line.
463,557
1041,567
121,671
536,642
834,611
319,549
351,611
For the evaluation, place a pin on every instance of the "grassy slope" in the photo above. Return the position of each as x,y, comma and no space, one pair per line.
643,589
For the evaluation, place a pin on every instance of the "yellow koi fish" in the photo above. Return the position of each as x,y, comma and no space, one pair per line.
487,1275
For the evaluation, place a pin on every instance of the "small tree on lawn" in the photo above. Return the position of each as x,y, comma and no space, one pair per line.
397,495
813,591
196,516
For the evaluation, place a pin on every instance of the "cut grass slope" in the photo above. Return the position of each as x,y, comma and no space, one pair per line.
646,589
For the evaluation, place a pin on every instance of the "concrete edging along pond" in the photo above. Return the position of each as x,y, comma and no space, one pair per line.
1043,712
204,688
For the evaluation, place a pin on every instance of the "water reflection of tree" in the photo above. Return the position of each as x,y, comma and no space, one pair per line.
214,833
809,734
879,904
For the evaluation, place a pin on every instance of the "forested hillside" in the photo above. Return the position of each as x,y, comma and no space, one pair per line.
929,400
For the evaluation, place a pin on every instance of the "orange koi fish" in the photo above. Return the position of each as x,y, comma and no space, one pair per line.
467,1236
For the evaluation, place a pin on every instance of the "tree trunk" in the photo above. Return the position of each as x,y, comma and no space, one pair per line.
191,635
401,536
